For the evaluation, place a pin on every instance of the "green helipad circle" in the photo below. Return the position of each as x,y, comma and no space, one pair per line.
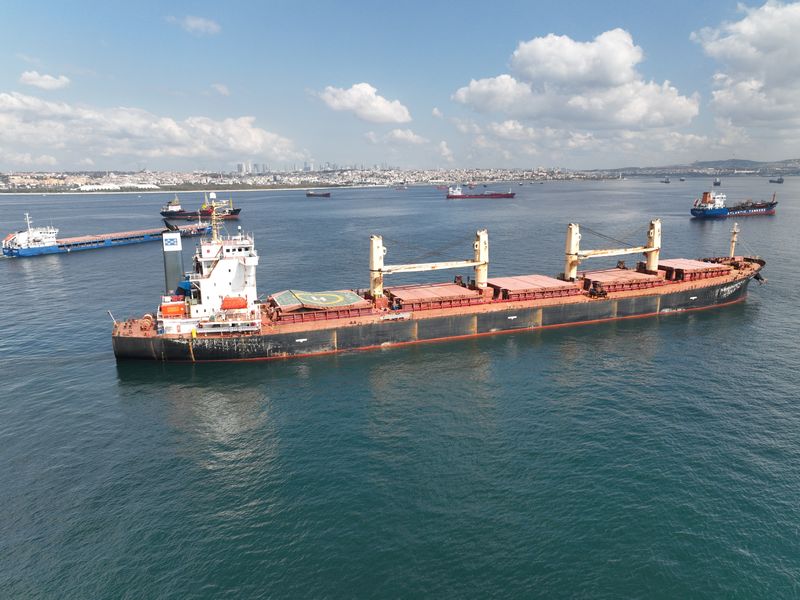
324,299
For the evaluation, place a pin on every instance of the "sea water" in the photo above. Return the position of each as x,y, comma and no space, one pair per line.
645,458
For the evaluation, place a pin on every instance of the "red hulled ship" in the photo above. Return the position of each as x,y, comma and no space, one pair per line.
213,312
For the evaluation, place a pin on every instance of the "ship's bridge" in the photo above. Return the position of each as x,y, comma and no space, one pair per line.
224,269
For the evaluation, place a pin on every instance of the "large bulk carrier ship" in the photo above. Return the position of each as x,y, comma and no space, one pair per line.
213,312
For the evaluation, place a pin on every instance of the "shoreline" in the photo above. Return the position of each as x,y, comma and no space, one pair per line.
201,191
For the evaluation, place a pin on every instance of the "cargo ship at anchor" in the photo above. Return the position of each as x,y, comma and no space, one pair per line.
711,205
456,193
35,241
174,210
213,312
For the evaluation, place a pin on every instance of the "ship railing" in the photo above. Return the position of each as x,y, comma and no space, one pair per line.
321,315
227,326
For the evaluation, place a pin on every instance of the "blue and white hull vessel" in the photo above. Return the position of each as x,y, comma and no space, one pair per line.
36,241
712,206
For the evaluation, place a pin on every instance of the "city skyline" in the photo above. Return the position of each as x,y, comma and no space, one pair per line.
582,85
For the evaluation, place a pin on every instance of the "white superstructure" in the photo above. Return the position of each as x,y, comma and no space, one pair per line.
32,237
222,291
455,191
223,268
711,200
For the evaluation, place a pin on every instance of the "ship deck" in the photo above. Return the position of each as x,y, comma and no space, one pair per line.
432,295
617,280
688,269
619,283
524,287
119,235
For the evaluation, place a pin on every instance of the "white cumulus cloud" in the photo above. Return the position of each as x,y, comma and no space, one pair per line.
405,136
758,80
502,94
512,130
29,124
196,25
363,100
558,80
43,81
437,113
610,59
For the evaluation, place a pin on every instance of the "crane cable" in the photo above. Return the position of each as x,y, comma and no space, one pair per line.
431,253
607,237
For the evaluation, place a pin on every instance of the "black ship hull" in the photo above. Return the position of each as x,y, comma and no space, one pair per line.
410,328
752,208
186,215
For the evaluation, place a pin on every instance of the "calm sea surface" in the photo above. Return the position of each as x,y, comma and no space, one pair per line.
648,458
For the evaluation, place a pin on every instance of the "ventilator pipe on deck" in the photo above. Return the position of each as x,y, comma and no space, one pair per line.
574,254
377,268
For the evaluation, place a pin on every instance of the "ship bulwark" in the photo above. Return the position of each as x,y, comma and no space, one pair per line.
421,327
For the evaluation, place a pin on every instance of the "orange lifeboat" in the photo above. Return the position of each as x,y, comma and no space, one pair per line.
233,302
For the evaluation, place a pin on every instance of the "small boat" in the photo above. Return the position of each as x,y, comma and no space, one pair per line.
173,210
777,180
665,180
456,193
683,179
717,182
313,194
711,205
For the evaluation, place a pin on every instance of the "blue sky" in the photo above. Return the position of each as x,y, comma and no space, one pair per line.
415,84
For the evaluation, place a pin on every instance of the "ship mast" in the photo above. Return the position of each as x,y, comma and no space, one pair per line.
734,237
214,222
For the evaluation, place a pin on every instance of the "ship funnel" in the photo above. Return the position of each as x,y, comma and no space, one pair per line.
173,260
